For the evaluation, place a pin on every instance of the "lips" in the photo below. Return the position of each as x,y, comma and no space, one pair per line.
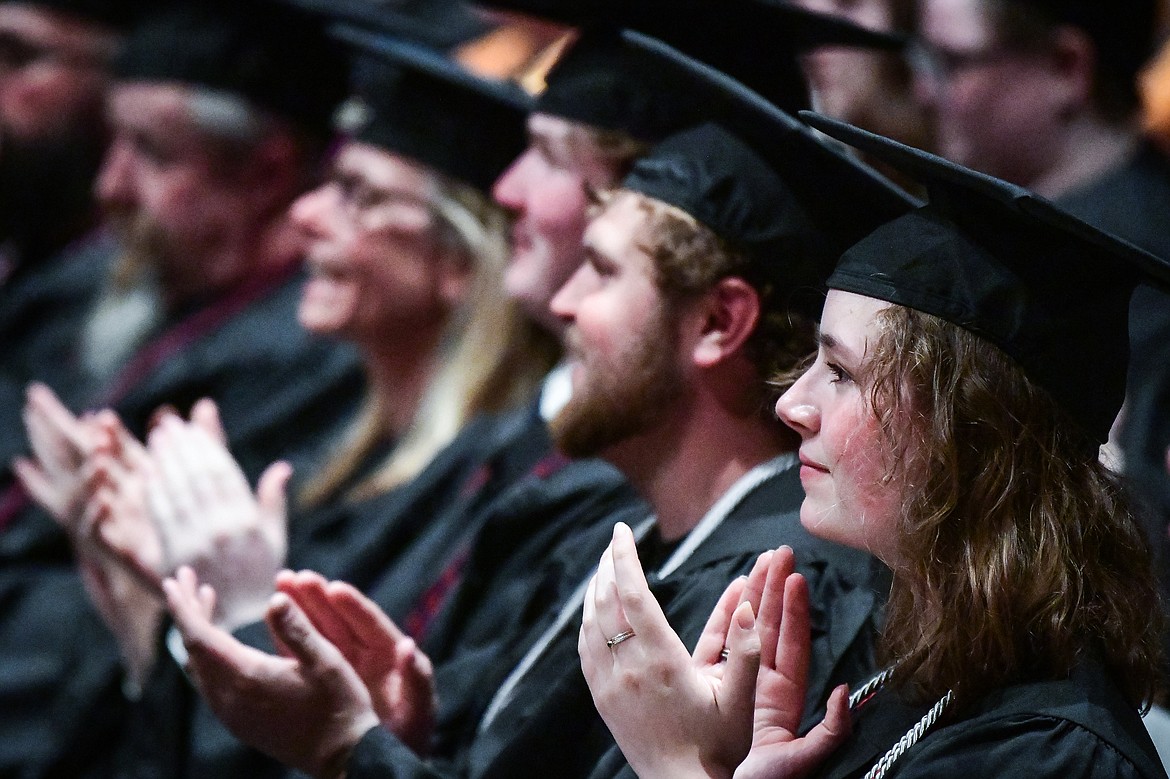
812,465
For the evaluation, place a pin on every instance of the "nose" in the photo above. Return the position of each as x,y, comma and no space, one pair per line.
309,212
797,411
509,189
114,185
568,297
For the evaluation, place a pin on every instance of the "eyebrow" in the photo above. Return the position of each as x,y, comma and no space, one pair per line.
829,343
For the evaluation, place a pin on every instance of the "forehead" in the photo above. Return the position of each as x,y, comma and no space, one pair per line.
958,24
849,321
44,25
150,106
616,229
381,168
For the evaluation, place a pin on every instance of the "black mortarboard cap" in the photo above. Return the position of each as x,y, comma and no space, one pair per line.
764,182
440,24
112,13
1007,265
424,106
273,54
601,82
1124,32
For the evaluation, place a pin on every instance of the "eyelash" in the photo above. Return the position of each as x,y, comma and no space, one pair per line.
839,373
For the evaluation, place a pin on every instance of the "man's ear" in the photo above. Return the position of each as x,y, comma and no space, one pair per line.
1074,64
728,314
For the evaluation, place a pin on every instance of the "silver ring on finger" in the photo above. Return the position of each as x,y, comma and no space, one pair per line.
625,635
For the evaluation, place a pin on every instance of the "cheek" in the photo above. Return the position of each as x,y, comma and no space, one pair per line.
558,211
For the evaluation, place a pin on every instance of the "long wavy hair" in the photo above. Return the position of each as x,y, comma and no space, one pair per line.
492,357
1020,553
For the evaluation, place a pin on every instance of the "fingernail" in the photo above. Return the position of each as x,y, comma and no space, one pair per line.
744,618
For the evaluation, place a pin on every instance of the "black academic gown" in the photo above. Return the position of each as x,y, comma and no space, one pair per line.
550,723
281,392
1067,729
41,313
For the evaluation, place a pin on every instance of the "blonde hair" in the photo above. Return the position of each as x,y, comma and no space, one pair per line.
491,357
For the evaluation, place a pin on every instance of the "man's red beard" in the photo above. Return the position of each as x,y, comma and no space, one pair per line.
618,401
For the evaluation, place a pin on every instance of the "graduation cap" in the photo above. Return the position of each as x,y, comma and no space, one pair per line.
421,105
273,54
997,260
763,181
118,14
601,82
440,24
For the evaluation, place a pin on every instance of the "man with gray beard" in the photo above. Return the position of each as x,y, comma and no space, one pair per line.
218,118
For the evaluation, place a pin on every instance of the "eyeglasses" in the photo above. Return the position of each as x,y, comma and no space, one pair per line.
940,65
17,53
369,205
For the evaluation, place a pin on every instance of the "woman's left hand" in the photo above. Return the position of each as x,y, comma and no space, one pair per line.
673,715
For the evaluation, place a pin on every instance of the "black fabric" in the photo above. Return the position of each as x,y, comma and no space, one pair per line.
538,542
551,720
1131,201
426,107
1075,727
999,261
597,81
440,24
61,701
734,186
272,54
41,313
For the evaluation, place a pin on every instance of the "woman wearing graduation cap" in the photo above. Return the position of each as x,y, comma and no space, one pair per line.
406,255
946,426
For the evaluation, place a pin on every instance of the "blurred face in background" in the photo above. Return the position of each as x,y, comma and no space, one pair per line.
845,80
180,202
375,262
546,188
53,79
996,106
53,72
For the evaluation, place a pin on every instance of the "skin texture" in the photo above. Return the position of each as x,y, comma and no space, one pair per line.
845,79
845,462
996,109
545,188
675,715
620,338
197,218
345,670
374,263
60,87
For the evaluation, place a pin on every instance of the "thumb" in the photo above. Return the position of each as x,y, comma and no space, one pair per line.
271,495
738,692
831,732
292,628
205,415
